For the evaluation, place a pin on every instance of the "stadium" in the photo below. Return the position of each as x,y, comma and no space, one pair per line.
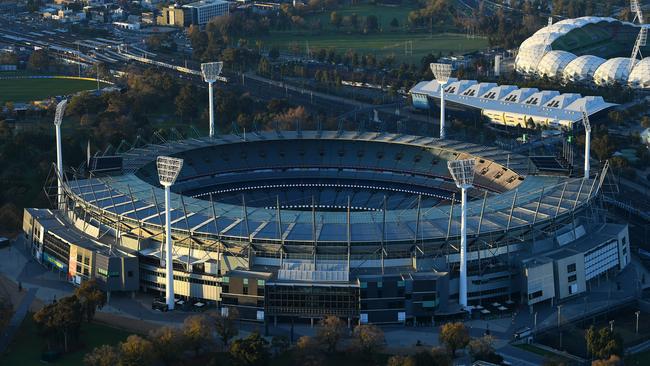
303,224
588,50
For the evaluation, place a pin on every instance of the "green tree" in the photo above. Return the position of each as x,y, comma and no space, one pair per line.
185,102
225,326
372,24
602,147
136,351
39,60
104,355
168,343
280,344
454,336
335,19
250,351
91,298
197,330
61,319
394,23
483,349
309,352
368,339
330,331
603,343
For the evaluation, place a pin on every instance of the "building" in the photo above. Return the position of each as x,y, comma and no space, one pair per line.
288,225
172,16
510,105
201,12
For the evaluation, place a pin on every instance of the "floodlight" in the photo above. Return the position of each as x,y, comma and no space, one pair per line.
211,71
60,109
585,122
58,118
168,169
441,73
462,171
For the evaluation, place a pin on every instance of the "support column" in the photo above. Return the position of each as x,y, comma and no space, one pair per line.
442,111
462,294
211,93
169,266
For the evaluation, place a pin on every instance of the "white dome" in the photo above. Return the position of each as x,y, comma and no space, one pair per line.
640,75
613,71
528,58
582,69
553,63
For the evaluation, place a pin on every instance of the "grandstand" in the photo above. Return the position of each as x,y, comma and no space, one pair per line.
309,223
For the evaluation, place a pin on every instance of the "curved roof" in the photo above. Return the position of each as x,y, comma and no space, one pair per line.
613,71
553,63
640,75
582,69
528,58
538,200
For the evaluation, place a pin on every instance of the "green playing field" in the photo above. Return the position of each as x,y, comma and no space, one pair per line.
25,90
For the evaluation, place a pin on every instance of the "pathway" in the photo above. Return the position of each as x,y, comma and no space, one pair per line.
17,319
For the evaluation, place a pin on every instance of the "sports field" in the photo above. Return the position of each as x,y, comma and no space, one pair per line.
399,41
26,90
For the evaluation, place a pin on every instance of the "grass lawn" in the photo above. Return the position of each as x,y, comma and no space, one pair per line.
25,90
542,352
387,42
25,350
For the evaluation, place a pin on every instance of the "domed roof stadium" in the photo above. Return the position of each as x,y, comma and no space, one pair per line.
613,71
640,75
554,62
574,49
582,69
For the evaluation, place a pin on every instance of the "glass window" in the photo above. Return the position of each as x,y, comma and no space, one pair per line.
260,282
571,267
225,279
245,281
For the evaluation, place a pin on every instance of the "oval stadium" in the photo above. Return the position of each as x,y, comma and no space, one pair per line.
303,224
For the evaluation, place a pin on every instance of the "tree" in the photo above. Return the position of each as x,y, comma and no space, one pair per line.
454,336
613,360
601,146
440,357
39,60
197,330
250,351
226,326
185,102
368,339
335,19
399,360
280,344
309,351
91,298
274,53
394,23
136,351
483,349
372,24
330,331
603,343
104,355
168,343
61,319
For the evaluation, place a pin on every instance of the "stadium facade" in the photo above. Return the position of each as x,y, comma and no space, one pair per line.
587,50
304,224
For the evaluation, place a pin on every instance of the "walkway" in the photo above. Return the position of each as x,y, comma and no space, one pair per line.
17,319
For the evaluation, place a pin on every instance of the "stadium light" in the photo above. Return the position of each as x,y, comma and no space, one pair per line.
168,170
58,119
441,72
585,122
210,72
463,173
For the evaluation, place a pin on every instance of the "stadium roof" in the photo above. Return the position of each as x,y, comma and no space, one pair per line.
548,103
537,199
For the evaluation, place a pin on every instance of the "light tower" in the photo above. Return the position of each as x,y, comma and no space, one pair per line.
210,72
168,169
585,122
441,72
463,173
58,118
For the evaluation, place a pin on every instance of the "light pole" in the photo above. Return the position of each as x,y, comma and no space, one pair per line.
168,169
58,118
210,72
611,326
637,313
463,173
441,72
587,125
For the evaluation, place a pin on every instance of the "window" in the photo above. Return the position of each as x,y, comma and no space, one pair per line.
572,278
245,281
573,289
129,273
79,258
380,284
260,283
571,267
535,295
